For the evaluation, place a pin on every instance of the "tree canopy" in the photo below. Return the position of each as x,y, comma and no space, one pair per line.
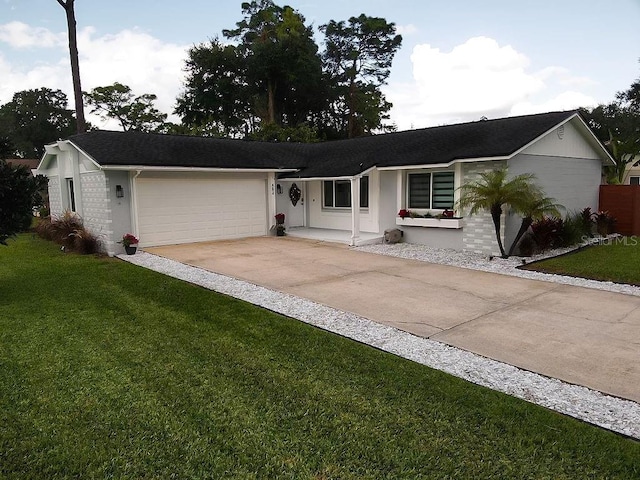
34,118
19,193
617,125
119,103
358,58
273,80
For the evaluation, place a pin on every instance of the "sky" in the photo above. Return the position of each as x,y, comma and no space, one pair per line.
460,60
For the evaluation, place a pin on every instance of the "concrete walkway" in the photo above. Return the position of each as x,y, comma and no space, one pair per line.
582,336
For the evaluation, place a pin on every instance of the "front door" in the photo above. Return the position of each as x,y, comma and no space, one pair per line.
286,194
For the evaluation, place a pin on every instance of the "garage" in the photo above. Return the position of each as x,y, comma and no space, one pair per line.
189,208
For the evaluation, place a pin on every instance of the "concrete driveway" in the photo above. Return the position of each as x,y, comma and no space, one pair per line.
583,336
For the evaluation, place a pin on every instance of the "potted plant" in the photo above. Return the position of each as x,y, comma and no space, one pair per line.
130,243
280,225
403,213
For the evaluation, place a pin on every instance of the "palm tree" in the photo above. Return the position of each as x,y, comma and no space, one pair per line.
535,207
491,191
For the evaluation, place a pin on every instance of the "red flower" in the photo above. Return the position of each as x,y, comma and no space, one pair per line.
403,213
129,239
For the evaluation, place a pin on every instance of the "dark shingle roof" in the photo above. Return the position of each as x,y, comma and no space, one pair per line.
435,145
429,146
148,149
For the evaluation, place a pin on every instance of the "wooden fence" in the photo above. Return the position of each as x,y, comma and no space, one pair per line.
623,202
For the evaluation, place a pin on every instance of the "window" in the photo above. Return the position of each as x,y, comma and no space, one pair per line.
364,192
634,180
430,190
337,193
71,195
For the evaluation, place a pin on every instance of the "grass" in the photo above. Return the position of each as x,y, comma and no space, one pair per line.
616,261
108,370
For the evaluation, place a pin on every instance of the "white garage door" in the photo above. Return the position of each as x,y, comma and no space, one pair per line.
174,210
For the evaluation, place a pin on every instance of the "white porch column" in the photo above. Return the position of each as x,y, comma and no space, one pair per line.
457,183
355,211
133,203
400,198
271,200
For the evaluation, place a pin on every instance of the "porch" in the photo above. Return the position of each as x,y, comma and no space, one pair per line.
333,235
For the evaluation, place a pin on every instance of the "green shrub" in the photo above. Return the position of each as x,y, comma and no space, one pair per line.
573,230
586,219
605,223
547,232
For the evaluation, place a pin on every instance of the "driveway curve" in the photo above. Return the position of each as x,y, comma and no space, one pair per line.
579,335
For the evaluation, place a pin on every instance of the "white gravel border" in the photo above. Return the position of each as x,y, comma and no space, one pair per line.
618,415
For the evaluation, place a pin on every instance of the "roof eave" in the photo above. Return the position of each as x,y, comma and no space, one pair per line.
446,164
195,169
330,177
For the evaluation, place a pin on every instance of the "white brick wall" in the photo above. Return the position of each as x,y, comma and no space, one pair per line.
96,212
55,200
478,234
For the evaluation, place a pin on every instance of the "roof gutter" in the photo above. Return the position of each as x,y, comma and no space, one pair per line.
312,179
342,177
144,168
448,164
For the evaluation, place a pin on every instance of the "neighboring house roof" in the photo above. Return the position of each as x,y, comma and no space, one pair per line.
30,163
428,146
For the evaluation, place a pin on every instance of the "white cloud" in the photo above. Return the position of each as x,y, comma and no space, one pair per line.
563,101
406,30
21,35
475,79
131,57
134,58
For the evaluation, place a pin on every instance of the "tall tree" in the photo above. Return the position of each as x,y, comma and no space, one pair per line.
272,75
69,9
617,125
358,56
282,61
492,191
216,99
133,113
34,118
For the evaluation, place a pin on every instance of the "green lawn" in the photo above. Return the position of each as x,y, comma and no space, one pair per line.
108,370
617,261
